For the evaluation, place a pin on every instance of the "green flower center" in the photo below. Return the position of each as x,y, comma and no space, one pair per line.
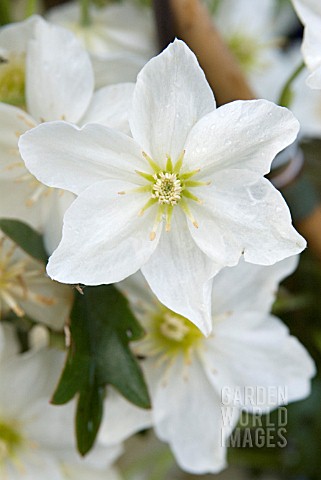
12,80
10,440
245,49
168,335
168,188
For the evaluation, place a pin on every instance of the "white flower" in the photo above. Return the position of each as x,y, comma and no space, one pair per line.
25,289
249,33
187,374
309,12
255,38
120,38
36,438
55,82
190,170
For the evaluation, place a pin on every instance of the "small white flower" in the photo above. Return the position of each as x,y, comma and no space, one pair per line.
55,82
196,171
187,374
36,438
309,12
25,289
120,38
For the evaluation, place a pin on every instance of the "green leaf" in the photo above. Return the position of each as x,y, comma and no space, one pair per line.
26,237
88,417
101,327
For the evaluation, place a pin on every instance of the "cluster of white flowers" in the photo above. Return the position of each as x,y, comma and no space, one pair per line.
147,185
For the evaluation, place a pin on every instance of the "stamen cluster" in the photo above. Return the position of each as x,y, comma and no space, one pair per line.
167,188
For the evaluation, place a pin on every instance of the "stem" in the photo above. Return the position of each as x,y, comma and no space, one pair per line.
5,14
285,98
85,19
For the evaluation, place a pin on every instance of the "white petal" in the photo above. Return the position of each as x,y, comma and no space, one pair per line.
314,80
255,350
59,77
14,37
187,414
180,274
136,289
64,156
121,419
83,472
51,426
240,134
253,219
51,302
254,286
110,107
8,341
14,198
36,464
116,68
52,217
13,123
117,28
171,95
26,378
104,240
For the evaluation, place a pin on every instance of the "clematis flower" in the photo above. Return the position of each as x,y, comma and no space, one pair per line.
55,81
181,199
309,12
120,38
189,375
256,37
25,289
36,438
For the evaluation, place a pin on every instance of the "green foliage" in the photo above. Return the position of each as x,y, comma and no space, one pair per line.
101,327
5,14
25,237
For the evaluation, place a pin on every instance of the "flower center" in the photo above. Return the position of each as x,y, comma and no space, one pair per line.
15,271
168,334
167,188
10,440
12,80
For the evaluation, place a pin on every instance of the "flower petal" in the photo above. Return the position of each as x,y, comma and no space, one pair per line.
254,286
14,37
8,341
51,303
14,204
171,95
240,134
53,212
122,419
64,156
139,295
253,219
18,373
104,240
248,350
59,86
13,123
180,275
110,106
123,27
187,414
116,68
